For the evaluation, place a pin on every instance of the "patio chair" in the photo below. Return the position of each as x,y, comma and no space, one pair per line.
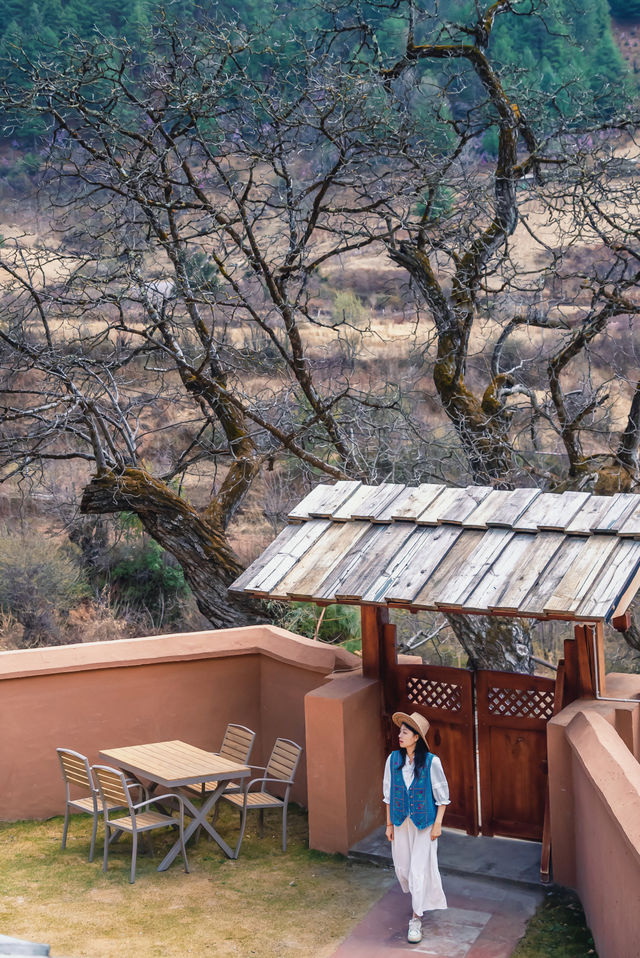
114,791
279,771
76,773
237,745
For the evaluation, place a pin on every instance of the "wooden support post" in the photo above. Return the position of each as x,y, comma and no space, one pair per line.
373,619
585,673
599,659
545,856
571,685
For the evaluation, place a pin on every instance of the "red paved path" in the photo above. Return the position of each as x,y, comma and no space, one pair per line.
484,920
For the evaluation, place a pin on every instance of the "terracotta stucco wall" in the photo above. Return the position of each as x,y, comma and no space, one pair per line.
594,778
345,759
187,686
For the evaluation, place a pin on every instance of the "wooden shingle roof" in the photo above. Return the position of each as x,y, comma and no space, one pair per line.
473,550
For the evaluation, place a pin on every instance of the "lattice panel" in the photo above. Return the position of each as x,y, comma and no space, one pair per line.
520,703
439,695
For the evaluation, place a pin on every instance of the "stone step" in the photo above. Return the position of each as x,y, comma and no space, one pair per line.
497,859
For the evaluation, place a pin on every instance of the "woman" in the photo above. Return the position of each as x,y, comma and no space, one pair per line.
416,794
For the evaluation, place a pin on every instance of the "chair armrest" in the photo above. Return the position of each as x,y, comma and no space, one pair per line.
275,781
159,798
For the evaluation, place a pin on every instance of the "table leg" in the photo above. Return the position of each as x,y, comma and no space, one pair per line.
199,818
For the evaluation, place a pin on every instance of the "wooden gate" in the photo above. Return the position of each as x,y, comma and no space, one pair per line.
513,711
509,751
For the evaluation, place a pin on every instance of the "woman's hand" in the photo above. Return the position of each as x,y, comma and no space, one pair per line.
436,831
389,833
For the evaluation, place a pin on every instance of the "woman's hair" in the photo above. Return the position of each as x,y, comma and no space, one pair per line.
419,756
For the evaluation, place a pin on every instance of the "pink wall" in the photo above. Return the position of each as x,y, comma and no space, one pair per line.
594,779
345,759
187,686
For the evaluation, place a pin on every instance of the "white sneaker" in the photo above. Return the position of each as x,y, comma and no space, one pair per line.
414,935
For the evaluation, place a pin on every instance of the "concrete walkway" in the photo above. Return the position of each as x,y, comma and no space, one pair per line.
492,890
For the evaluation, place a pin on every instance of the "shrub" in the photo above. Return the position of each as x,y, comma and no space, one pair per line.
40,581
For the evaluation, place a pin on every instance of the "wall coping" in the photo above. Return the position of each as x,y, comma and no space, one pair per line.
615,775
266,640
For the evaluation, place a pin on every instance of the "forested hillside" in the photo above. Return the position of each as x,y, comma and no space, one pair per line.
537,47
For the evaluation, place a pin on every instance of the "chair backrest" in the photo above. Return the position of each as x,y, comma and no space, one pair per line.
237,743
284,760
76,769
113,788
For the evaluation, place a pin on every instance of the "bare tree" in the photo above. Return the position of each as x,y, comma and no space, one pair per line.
189,206
193,204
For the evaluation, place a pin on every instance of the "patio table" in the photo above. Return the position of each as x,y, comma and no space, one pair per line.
173,765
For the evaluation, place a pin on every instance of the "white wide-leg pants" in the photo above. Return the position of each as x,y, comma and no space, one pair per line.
415,858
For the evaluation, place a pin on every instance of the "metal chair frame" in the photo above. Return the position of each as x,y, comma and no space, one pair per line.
113,787
77,771
244,799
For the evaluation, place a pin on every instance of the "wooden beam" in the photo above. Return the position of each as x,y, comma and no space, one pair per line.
627,596
373,619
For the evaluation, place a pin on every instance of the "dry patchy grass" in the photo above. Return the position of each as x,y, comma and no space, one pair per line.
267,903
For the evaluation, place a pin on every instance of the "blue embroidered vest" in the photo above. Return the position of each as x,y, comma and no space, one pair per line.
417,801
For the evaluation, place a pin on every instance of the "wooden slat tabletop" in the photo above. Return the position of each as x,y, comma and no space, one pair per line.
174,763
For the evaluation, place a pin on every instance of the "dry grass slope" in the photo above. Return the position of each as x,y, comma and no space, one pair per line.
267,903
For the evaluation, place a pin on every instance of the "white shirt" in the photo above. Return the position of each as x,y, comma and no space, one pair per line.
438,780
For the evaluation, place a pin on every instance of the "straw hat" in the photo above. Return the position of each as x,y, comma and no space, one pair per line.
415,721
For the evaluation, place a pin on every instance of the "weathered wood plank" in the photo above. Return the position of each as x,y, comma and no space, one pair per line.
279,544
463,505
368,568
534,601
589,516
453,561
500,508
320,560
413,565
416,501
550,511
612,580
454,592
631,524
530,568
376,506
312,499
351,508
288,553
622,505
498,576
583,572
447,498
366,546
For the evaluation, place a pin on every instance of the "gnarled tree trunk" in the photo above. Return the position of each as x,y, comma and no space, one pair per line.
199,545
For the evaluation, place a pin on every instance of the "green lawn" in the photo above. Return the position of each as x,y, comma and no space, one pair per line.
557,930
